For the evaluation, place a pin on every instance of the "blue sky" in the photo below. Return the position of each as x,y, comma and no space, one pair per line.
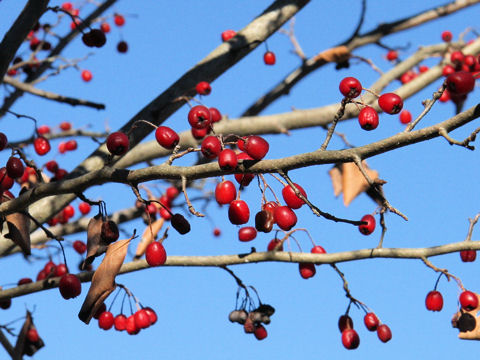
430,182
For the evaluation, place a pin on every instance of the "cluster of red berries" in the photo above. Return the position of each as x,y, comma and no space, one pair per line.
141,319
52,270
350,338
252,321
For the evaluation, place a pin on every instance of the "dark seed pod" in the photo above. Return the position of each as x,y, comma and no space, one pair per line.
98,37
180,224
110,231
466,322
264,221
266,309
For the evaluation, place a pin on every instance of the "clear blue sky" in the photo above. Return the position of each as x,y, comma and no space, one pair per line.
430,182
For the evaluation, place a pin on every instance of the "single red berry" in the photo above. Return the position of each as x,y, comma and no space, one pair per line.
227,159
434,301
260,332
405,116
203,88
269,58
369,227
86,75
350,339
371,321
62,147
256,147
241,144
225,192
131,327
457,57
211,147
447,36
291,199
284,217
445,96
122,47
84,208
350,87
447,70
166,137
217,232
69,211
392,55
468,300
142,321
368,118
215,114
42,130
69,286
42,275
105,27
65,126
106,320
152,315
50,268
120,322
307,270
345,322
79,246
117,143
247,233
99,311
6,182
15,167
164,213
317,249
228,34
468,255
155,254
71,145
199,117
24,281
199,133
238,212
384,333
460,83
51,166
119,20
67,6
272,245
3,141
60,174
390,103
32,335
423,68
270,206
41,145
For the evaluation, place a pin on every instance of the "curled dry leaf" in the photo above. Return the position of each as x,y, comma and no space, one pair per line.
337,54
18,225
95,246
472,334
103,280
148,236
23,346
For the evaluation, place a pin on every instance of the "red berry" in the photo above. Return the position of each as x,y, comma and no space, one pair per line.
307,270
60,174
350,87
24,281
166,137
84,208
408,76
390,103
447,70
371,321
247,233
41,145
225,192
270,206
32,335
272,245
199,133
434,301
142,320
345,322
211,147
199,117
61,269
445,96
317,249
155,254
51,166
67,6
217,232
69,286
423,68
369,227
241,144
256,147
244,179
119,20
457,57
368,118
238,212
350,339
460,83
65,126
292,200
69,211
269,58
3,141
122,47
6,182
152,316
99,311
42,130
131,326
106,320
117,143
228,34
120,322
71,145
42,275
468,255
15,167
203,88
227,160
86,75
384,333
392,55
284,217
447,36
105,27
405,117
260,332
62,148
216,115
468,300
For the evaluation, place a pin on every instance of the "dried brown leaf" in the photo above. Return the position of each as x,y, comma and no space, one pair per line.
103,280
336,177
336,54
23,346
19,231
353,181
149,235
95,245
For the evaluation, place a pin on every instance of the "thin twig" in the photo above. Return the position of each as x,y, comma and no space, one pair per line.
190,206
443,271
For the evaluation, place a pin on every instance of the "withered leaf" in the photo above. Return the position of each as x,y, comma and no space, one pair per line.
95,245
18,225
23,345
336,177
473,315
148,236
103,280
336,54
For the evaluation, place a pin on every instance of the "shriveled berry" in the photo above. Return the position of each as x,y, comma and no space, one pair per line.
180,224
345,322
122,47
260,332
